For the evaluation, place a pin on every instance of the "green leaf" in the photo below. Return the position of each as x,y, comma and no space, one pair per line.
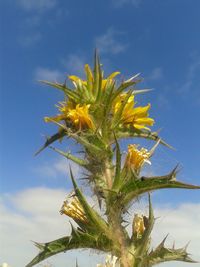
89,81
68,155
70,93
97,77
163,254
99,225
83,141
124,86
107,109
144,243
127,133
77,240
135,188
52,139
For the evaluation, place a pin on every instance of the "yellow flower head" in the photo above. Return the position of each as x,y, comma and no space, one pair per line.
138,226
90,79
135,116
77,114
80,116
72,208
136,158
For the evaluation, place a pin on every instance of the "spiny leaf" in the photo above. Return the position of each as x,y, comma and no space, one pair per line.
149,228
124,86
50,249
141,91
68,155
127,133
75,241
51,140
107,104
70,93
80,139
162,254
97,77
88,145
94,218
152,150
134,188
133,78
143,245
85,96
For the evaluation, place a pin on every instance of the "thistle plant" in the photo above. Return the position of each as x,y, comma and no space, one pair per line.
98,113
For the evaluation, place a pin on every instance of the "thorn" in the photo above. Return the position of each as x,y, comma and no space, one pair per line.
39,245
186,246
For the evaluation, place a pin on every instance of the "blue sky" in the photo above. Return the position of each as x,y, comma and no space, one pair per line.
49,39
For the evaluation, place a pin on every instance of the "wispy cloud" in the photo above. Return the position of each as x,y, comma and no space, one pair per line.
191,76
58,167
37,5
34,19
120,3
74,64
30,39
190,85
155,74
48,74
110,42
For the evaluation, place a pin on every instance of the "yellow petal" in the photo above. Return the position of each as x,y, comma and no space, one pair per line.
74,78
88,72
113,75
145,121
142,111
56,118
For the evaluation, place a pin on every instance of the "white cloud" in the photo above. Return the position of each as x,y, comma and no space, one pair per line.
58,167
29,215
37,5
33,214
48,74
108,43
155,74
120,3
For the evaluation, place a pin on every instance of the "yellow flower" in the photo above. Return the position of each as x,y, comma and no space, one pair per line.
135,116
136,158
138,226
77,114
80,117
90,78
72,208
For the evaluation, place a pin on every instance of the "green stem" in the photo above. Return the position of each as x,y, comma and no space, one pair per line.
119,235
